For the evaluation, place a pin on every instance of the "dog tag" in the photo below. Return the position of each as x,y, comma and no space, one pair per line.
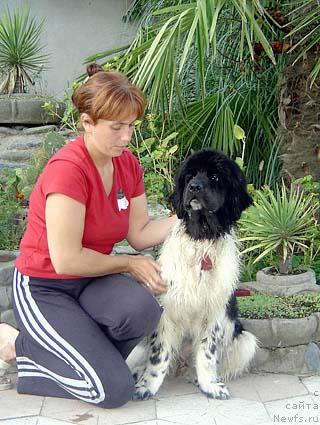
206,263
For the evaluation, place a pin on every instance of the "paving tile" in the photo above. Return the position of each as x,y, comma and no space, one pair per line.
303,409
191,409
22,421
134,411
312,383
173,386
154,422
243,388
267,387
75,411
238,411
14,405
49,421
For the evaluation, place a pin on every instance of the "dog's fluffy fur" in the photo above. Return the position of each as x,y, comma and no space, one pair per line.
200,264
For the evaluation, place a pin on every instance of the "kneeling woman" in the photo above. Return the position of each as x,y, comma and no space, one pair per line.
78,315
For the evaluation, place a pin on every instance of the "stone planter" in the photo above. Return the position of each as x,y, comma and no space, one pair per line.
285,344
285,285
25,109
7,259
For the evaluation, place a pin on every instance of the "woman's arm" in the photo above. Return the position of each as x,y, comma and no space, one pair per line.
65,219
144,233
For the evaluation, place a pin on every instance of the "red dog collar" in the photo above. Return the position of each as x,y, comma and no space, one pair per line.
206,263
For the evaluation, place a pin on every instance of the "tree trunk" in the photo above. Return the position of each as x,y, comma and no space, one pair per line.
299,114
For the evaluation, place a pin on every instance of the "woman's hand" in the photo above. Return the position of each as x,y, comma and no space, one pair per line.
147,271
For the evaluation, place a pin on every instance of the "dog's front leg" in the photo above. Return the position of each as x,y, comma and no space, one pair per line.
159,356
206,364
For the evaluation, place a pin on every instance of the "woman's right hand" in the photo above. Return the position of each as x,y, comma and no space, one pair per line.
147,271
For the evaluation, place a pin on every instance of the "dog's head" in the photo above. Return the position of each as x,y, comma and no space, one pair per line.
210,194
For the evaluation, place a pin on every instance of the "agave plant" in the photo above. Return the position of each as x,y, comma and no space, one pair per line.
20,50
281,222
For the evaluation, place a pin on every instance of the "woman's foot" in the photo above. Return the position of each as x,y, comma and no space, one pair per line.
8,336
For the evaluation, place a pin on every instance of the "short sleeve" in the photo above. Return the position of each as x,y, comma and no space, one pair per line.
139,182
67,178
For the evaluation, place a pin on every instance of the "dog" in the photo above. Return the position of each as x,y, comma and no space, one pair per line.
200,264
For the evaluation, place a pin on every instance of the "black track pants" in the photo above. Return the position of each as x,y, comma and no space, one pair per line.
76,333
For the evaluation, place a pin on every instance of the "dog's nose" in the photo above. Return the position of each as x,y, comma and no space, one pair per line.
195,186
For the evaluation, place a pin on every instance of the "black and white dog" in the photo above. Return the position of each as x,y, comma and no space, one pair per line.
200,264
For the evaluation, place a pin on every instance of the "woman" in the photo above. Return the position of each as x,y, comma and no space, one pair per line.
79,316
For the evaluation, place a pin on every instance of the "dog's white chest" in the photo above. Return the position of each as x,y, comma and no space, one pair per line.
201,276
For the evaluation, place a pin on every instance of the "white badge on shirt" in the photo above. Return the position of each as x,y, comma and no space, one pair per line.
122,200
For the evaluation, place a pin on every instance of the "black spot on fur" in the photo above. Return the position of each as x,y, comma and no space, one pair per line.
167,357
153,335
232,308
238,328
155,359
212,348
156,348
204,340
232,313
154,373
208,356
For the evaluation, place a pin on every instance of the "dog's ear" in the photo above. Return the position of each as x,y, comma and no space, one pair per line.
177,197
177,202
238,198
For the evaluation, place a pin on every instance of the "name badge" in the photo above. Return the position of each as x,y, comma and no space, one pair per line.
122,201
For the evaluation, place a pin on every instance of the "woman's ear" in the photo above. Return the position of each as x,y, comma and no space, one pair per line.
86,122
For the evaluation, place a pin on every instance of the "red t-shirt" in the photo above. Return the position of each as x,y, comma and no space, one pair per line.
72,172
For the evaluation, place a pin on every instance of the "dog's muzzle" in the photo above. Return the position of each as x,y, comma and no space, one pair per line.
194,190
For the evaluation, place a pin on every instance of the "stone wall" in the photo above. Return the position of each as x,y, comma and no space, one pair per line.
18,144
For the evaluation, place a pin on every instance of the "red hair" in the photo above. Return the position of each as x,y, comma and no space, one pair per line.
108,95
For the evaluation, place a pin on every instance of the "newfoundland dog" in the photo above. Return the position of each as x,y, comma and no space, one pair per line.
200,264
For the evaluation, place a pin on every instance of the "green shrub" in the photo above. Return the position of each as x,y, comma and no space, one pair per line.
15,188
28,177
259,306
12,211
156,153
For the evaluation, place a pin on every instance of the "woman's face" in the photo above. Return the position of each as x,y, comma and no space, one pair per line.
109,138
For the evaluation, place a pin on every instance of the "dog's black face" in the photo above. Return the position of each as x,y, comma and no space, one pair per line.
210,194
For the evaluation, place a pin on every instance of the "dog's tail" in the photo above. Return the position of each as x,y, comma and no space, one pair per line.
238,351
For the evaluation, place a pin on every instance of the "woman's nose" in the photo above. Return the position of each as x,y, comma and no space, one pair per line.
126,134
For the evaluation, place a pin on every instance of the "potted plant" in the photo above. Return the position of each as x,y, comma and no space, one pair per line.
288,330
21,61
281,225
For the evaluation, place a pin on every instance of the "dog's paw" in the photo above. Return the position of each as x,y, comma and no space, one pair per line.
142,393
216,390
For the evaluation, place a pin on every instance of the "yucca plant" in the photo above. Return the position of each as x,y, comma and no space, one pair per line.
20,50
280,222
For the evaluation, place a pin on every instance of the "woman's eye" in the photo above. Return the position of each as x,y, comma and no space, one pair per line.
116,128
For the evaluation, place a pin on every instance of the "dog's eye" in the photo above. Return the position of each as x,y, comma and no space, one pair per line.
214,177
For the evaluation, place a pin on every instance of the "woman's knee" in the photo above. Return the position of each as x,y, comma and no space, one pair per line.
118,393
139,317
